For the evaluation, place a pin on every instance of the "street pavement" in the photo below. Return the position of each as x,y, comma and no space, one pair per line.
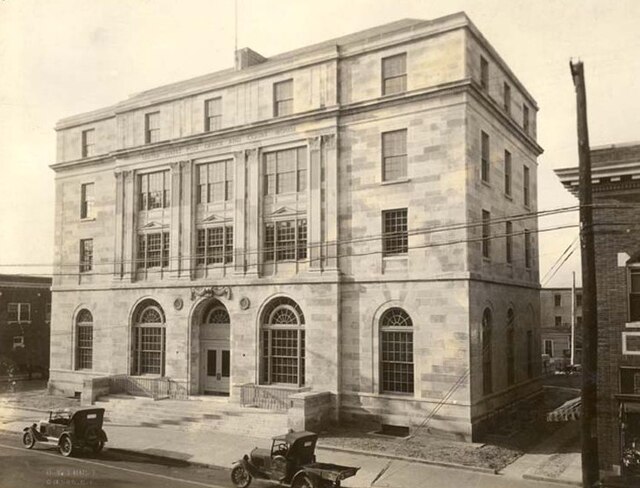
218,451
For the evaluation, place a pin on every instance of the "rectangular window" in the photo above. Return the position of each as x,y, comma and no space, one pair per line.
484,73
285,171
86,255
557,300
88,143
548,347
507,173
507,98
152,127
153,250
530,354
558,320
525,118
526,187
527,248
509,242
19,312
213,114
486,234
154,190
394,155
578,299
86,201
215,181
283,98
285,241
634,295
485,155
215,245
85,347
396,236
394,74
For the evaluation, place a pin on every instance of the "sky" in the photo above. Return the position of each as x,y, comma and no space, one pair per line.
64,57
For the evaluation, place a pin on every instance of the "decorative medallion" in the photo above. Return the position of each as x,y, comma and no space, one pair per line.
211,291
178,304
244,303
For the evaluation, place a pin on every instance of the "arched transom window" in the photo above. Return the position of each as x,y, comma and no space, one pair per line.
84,342
282,354
487,351
149,340
218,315
396,351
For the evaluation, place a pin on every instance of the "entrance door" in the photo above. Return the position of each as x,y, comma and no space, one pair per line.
217,368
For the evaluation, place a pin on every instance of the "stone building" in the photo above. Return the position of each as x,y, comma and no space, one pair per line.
354,217
556,317
25,317
616,196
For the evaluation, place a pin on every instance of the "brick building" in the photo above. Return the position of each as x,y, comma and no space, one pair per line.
616,195
331,219
555,325
25,317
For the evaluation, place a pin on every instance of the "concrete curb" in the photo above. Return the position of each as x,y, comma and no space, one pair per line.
30,409
442,464
535,477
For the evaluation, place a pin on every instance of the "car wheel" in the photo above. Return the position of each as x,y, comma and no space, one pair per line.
240,477
28,440
66,446
97,446
304,482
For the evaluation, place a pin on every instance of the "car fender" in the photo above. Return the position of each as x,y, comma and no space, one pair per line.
66,434
302,472
253,471
102,435
34,432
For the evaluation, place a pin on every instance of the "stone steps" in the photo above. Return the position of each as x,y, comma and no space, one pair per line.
192,415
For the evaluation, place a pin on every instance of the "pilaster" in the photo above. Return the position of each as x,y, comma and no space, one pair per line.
186,230
129,225
240,213
253,213
118,264
314,206
175,221
330,144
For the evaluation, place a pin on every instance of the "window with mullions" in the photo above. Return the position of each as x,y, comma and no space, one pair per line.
285,171
526,187
394,155
19,312
394,74
511,348
527,248
152,127
154,190
149,341
213,114
86,255
88,143
507,98
215,181
86,201
396,352
215,245
486,234
484,73
509,242
84,342
153,250
507,173
283,343
285,240
634,295
485,163
283,98
395,241
487,352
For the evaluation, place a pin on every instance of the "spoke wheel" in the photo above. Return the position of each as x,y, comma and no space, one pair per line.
304,482
28,440
240,477
66,447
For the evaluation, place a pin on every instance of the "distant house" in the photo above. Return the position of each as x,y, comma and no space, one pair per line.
25,318
555,325
616,196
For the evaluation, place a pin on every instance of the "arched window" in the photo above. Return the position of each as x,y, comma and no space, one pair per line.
148,339
283,343
84,342
511,372
396,351
487,350
217,316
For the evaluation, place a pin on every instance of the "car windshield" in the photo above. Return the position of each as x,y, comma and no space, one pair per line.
60,415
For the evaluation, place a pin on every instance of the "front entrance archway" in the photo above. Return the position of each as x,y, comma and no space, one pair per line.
214,348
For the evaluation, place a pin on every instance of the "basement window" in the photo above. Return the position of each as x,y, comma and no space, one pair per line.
393,430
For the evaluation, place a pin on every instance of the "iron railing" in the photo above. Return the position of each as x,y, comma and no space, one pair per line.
156,388
266,396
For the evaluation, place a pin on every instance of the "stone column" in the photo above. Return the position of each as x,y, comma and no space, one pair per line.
253,213
118,265
331,216
130,210
314,204
240,213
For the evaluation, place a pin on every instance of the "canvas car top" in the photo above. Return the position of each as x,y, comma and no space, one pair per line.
291,437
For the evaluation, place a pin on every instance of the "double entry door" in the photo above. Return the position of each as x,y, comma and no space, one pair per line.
215,367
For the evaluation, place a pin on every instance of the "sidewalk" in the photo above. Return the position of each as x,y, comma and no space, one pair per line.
221,449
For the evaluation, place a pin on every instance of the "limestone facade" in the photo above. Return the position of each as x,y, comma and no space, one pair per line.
362,159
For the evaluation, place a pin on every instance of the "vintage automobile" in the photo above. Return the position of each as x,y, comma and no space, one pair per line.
70,431
291,462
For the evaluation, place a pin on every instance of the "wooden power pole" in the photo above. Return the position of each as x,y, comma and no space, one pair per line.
590,461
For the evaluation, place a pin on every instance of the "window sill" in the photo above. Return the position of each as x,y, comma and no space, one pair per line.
486,183
398,257
19,322
395,182
508,196
87,219
485,259
632,325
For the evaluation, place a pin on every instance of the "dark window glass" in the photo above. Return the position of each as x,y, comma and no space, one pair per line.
394,74
396,235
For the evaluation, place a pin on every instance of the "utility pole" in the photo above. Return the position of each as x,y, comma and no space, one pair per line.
588,420
573,320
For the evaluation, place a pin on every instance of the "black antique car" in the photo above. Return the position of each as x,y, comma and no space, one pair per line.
291,461
70,431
